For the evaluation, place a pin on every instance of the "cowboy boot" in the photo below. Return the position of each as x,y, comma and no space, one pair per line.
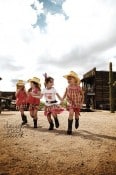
35,123
69,131
51,125
56,122
76,123
24,119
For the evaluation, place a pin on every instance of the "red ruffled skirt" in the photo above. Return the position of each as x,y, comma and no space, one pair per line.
54,110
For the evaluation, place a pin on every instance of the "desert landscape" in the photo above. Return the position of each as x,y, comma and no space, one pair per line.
90,150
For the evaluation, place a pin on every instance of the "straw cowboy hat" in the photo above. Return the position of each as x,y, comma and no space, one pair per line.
35,79
74,75
20,83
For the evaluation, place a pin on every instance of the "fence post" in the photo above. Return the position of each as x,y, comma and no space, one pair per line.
111,97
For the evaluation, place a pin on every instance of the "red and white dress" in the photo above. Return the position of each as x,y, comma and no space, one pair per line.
51,104
74,98
21,100
33,101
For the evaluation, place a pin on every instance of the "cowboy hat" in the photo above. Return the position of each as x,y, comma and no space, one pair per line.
35,79
20,83
74,75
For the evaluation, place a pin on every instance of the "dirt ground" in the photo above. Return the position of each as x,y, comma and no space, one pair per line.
91,150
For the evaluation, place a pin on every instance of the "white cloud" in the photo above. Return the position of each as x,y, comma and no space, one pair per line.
86,40
89,20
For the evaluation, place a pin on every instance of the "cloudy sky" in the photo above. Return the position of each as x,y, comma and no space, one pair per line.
55,36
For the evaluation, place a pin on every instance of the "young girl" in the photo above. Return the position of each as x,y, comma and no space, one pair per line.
33,101
74,96
51,106
21,99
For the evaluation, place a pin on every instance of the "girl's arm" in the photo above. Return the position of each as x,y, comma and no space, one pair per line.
35,92
64,96
17,92
59,97
26,92
38,95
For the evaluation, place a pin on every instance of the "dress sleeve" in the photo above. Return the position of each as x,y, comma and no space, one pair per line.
54,90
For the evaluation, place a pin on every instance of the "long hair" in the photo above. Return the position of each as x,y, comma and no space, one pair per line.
36,85
22,87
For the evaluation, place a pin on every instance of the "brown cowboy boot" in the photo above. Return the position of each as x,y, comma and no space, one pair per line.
76,123
24,119
51,125
69,131
56,122
35,123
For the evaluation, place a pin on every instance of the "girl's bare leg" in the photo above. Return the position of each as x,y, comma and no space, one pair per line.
31,110
71,114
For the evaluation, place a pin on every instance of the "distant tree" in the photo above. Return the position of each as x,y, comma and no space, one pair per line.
41,106
64,104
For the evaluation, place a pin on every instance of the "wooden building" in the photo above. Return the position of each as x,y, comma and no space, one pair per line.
6,101
96,87
8,95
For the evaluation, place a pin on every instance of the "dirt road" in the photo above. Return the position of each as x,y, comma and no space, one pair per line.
91,150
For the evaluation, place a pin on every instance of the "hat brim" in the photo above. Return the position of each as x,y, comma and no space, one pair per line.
32,80
69,75
19,84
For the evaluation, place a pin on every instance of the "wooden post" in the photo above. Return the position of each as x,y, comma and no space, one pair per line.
0,107
0,104
111,98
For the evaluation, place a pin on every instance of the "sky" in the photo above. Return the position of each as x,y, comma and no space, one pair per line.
55,36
